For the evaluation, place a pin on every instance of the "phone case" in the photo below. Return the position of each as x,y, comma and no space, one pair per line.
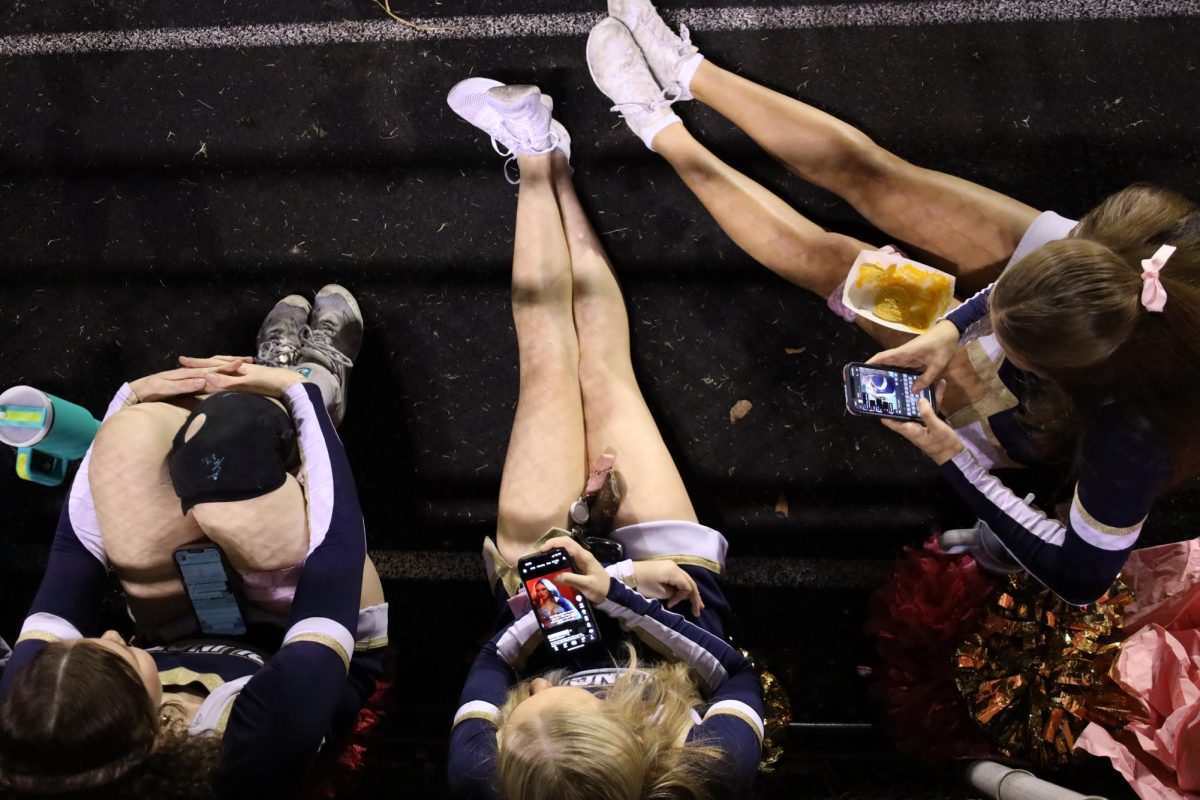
848,389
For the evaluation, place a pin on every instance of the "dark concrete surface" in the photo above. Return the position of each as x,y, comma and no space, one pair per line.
153,204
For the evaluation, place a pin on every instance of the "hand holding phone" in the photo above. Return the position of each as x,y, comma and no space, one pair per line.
932,435
875,390
560,607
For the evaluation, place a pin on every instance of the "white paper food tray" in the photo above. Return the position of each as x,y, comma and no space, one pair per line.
862,300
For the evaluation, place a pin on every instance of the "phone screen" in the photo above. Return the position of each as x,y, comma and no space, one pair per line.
563,612
207,585
883,391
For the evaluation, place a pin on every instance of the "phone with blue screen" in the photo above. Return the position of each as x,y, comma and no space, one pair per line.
875,390
206,579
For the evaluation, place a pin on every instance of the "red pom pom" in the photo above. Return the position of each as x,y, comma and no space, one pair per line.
919,617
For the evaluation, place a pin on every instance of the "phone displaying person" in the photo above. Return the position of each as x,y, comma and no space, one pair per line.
206,579
875,390
562,611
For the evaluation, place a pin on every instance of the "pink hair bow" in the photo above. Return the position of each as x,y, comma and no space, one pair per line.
1154,296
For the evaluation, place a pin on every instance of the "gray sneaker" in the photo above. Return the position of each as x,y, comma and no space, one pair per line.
329,344
278,342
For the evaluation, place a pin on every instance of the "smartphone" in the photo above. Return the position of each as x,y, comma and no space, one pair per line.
564,613
875,390
206,579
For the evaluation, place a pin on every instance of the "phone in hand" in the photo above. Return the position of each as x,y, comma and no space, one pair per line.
564,613
206,578
875,390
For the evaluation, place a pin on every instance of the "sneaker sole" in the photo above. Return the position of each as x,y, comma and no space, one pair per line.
344,293
467,92
593,42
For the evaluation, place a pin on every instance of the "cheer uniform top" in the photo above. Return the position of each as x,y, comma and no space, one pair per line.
1122,467
274,712
732,717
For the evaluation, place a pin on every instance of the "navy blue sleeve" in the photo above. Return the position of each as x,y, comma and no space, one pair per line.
284,712
1122,470
472,762
734,719
975,308
68,600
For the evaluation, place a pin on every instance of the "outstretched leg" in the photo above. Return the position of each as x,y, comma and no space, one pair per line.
615,414
546,461
972,227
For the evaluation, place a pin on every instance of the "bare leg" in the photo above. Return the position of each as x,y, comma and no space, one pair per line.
615,414
768,229
129,471
973,228
546,461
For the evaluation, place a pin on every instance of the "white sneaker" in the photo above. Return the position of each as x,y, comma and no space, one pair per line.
672,57
620,71
518,118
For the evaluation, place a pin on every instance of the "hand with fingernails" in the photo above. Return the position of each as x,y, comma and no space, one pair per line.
930,352
935,438
658,580
190,379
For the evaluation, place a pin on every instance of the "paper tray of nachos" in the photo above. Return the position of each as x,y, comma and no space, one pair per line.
897,292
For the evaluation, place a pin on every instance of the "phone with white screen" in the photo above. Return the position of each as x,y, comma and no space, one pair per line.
206,579
875,390
563,612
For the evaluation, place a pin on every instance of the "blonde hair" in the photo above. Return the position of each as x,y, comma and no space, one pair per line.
630,748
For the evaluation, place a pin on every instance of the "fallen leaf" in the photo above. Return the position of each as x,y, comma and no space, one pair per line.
794,351
781,505
740,409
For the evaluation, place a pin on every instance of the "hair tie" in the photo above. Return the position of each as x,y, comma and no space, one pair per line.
1154,296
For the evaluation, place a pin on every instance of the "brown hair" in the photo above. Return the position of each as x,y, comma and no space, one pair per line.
631,748
77,720
1072,310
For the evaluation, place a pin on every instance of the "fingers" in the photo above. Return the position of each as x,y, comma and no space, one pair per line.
584,560
928,415
884,357
927,377
939,392
213,361
909,430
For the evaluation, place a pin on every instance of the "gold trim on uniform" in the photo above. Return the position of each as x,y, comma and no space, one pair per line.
995,398
41,636
1108,530
371,644
322,638
733,712
505,572
483,715
182,676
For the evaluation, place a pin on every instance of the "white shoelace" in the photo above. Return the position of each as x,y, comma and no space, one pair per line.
552,139
277,351
321,340
669,95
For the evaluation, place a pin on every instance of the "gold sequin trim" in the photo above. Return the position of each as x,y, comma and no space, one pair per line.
371,644
733,712
690,560
1108,530
483,715
40,636
182,676
322,638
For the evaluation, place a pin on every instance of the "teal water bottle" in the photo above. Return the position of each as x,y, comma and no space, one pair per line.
36,422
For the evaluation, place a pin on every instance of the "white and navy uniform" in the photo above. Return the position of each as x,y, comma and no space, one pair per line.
272,712
732,716
1122,467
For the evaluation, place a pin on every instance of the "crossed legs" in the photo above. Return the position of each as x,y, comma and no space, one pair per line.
971,229
578,395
